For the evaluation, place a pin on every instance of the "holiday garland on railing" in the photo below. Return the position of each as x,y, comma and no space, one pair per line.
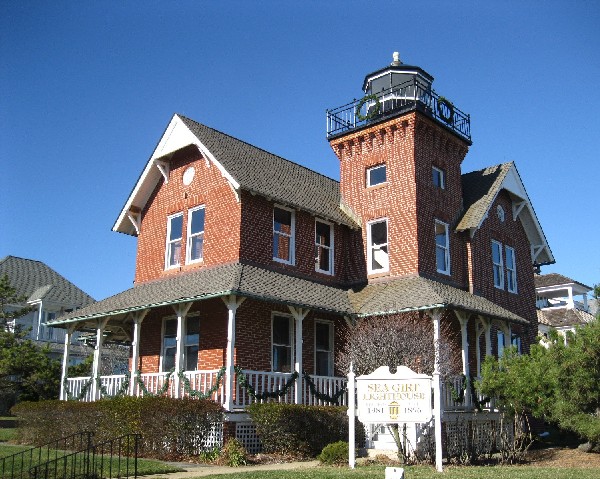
243,382
460,397
161,391
82,393
322,396
198,394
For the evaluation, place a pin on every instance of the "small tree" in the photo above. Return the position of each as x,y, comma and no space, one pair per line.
10,303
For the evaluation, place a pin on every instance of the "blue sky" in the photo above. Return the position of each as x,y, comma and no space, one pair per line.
87,88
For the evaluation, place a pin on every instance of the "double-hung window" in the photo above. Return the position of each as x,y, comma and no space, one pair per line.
439,178
323,348
191,342
498,265
283,235
442,247
377,246
323,247
282,343
376,175
174,236
511,270
195,235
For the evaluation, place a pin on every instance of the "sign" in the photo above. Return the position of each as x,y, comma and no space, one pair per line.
383,397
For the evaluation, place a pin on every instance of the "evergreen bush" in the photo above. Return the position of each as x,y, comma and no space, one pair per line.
335,453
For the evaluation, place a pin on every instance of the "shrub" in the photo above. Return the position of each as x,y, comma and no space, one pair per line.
295,429
335,453
234,454
170,428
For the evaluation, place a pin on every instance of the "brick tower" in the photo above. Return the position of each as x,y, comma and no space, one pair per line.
400,149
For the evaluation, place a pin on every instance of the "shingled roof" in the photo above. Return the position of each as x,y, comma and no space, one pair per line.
37,281
555,279
246,167
418,293
563,317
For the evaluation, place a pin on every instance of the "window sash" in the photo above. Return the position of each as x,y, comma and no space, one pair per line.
195,233
174,237
439,179
442,247
191,344
497,264
283,235
323,247
377,246
323,348
376,175
281,340
511,270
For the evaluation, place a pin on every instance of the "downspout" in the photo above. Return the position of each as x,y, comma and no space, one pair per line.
470,272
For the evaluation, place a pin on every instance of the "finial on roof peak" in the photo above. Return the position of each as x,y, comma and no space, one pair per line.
396,58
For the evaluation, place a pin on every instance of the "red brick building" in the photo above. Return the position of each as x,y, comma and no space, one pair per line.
248,260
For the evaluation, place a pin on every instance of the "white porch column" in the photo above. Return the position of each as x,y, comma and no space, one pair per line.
65,361
299,314
233,303
437,400
135,347
484,326
463,319
101,324
181,310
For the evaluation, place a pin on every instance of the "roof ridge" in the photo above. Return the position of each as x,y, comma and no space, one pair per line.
258,148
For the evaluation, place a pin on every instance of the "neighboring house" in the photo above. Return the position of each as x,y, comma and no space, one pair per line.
50,295
562,303
248,262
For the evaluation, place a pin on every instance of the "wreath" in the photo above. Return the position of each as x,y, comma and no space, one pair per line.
373,113
447,106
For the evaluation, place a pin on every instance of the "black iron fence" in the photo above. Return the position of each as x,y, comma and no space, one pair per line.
75,457
405,97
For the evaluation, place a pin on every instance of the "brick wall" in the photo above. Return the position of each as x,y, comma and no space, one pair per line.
209,188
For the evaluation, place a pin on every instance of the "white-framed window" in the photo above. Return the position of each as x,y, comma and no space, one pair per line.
511,269
498,265
442,247
439,177
323,247
500,339
195,234
376,175
174,236
323,348
378,260
515,340
283,235
282,339
191,344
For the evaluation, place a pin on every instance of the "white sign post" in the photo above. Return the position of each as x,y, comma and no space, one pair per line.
383,397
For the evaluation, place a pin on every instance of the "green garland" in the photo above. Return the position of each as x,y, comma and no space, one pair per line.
122,391
243,382
370,115
442,113
197,394
82,393
460,397
322,396
161,391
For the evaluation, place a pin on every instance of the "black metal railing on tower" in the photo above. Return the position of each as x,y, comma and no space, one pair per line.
411,95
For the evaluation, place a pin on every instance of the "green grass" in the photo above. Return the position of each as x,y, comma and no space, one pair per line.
7,434
145,466
418,472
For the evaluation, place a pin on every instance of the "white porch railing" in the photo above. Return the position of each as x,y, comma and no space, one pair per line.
262,382
454,387
79,388
325,385
204,381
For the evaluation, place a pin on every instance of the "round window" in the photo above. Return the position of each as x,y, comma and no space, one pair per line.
188,175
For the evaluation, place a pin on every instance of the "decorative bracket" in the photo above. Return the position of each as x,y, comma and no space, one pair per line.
517,207
163,167
135,216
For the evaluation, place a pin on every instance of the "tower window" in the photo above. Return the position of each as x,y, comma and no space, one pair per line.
378,260
439,178
442,247
376,175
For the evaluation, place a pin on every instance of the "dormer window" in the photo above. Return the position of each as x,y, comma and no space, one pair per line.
376,175
195,235
174,236
439,178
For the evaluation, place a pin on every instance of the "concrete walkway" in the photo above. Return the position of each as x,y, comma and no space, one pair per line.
199,470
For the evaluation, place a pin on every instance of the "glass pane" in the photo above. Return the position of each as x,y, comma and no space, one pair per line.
282,359
197,225
282,220
510,259
322,366
171,327
440,234
379,233
322,340
322,232
281,330
440,258
380,258
377,175
323,258
197,247
496,253
176,228
169,359
174,253
191,358
281,247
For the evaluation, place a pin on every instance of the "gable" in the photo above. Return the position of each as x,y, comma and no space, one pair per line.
243,165
480,190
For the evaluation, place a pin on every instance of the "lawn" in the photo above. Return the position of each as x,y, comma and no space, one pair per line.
145,466
419,472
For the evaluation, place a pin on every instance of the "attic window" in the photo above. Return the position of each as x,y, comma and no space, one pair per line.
376,175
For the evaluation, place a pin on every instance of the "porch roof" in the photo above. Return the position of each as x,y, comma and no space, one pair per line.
413,293
234,278
563,317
